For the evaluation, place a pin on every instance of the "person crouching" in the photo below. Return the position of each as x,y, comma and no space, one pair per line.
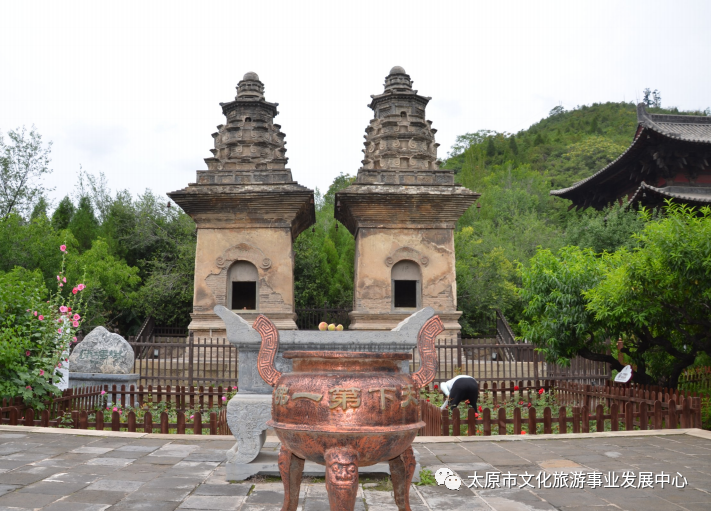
460,389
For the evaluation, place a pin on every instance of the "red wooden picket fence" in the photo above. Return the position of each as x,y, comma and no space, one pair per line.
628,409
80,419
75,407
438,422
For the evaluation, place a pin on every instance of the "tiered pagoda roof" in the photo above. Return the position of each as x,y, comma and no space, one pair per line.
246,180
400,182
669,158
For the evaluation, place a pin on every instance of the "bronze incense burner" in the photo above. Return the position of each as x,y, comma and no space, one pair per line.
346,410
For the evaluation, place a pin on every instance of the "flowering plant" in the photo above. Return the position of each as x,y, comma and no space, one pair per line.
37,329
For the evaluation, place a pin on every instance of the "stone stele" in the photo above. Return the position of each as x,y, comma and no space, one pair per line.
102,352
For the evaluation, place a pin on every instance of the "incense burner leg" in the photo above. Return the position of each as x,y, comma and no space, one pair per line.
341,478
291,469
402,469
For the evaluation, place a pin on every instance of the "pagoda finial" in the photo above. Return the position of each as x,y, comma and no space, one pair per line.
250,87
398,79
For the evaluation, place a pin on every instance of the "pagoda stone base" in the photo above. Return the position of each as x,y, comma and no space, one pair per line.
388,321
205,325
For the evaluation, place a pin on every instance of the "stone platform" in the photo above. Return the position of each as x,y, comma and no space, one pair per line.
70,470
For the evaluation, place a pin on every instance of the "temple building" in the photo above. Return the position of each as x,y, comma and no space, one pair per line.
248,212
402,210
669,158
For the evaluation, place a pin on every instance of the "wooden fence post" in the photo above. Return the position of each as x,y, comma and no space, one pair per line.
547,422
83,420
445,422
213,423
100,420
197,425
164,423
576,419
629,416
44,421
148,422
562,420
181,423
672,418
686,413
502,421
657,415
115,421
531,421
471,422
131,421
30,417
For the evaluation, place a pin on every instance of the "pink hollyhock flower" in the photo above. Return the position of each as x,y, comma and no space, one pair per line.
224,398
74,291
59,330
75,339
40,317
192,416
61,285
63,308
234,388
76,317
35,313
75,324
64,279
29,387
41,372
59,365
115,409
81,287
63,248
27,353
103,392
120,412
59,278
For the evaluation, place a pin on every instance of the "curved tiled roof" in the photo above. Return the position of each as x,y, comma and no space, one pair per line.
686,194
687,128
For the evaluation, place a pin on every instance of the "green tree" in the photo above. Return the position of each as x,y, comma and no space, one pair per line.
40,209
659,295
23,164
513,145
84,225
63,214
490,148
556,315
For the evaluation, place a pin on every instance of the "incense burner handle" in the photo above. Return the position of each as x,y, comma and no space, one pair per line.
268,349
428,355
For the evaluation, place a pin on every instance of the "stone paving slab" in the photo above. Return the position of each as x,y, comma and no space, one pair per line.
75,471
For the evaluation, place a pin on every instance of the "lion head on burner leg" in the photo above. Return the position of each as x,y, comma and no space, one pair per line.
342,467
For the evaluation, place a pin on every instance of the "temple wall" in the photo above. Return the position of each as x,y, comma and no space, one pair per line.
269,250
378,250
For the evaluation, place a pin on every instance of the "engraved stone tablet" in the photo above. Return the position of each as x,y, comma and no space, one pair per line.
102,352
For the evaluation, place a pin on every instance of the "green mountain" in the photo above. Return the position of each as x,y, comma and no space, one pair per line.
568,145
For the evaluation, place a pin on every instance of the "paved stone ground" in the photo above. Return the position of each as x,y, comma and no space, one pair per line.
57,472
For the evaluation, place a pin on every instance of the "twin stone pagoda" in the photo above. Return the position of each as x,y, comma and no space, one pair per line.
402,211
